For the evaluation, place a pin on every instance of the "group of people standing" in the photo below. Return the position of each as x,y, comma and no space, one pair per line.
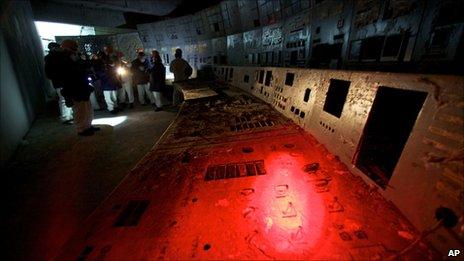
106,79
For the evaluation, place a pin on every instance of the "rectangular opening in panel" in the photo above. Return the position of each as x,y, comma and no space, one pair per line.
132,213
268,78
355,50
336,97
392,45
390,122
223,59
371,48
325,53
246,78
293,57
307,94
261,76
216,27
289,79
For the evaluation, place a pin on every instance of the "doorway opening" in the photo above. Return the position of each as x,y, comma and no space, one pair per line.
386,132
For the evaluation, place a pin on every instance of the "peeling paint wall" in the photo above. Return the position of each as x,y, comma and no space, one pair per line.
395,35
430,171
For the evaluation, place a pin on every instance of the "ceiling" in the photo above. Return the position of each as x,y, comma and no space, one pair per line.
152,7
115,13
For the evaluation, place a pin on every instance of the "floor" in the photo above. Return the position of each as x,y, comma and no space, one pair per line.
56,179
236,180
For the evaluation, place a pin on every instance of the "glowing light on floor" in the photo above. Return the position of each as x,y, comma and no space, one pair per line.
112,121
293,212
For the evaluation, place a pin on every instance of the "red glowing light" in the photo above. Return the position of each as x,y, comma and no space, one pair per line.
293,212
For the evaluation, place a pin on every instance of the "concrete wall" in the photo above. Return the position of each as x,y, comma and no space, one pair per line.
13,115
22,79
430,171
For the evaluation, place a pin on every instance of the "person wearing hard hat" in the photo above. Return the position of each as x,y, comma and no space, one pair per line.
76,89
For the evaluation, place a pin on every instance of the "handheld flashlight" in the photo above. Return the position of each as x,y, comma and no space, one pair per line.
121,71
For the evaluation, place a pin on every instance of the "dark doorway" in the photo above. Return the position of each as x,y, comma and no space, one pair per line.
387,130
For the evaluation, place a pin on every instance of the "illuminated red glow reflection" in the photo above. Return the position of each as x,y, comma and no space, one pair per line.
293,212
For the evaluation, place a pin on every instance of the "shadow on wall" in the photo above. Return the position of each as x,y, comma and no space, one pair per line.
23,83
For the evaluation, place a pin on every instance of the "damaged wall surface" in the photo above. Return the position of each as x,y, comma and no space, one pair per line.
416,36
429,170
126,43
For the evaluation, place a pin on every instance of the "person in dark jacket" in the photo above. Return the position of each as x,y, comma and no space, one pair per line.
110,55
97,65
141,74
53,70
182,72
76,89
157,80
151,61
109,83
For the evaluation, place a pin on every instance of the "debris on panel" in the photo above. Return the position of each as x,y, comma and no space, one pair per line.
405,234
335,206
311,168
